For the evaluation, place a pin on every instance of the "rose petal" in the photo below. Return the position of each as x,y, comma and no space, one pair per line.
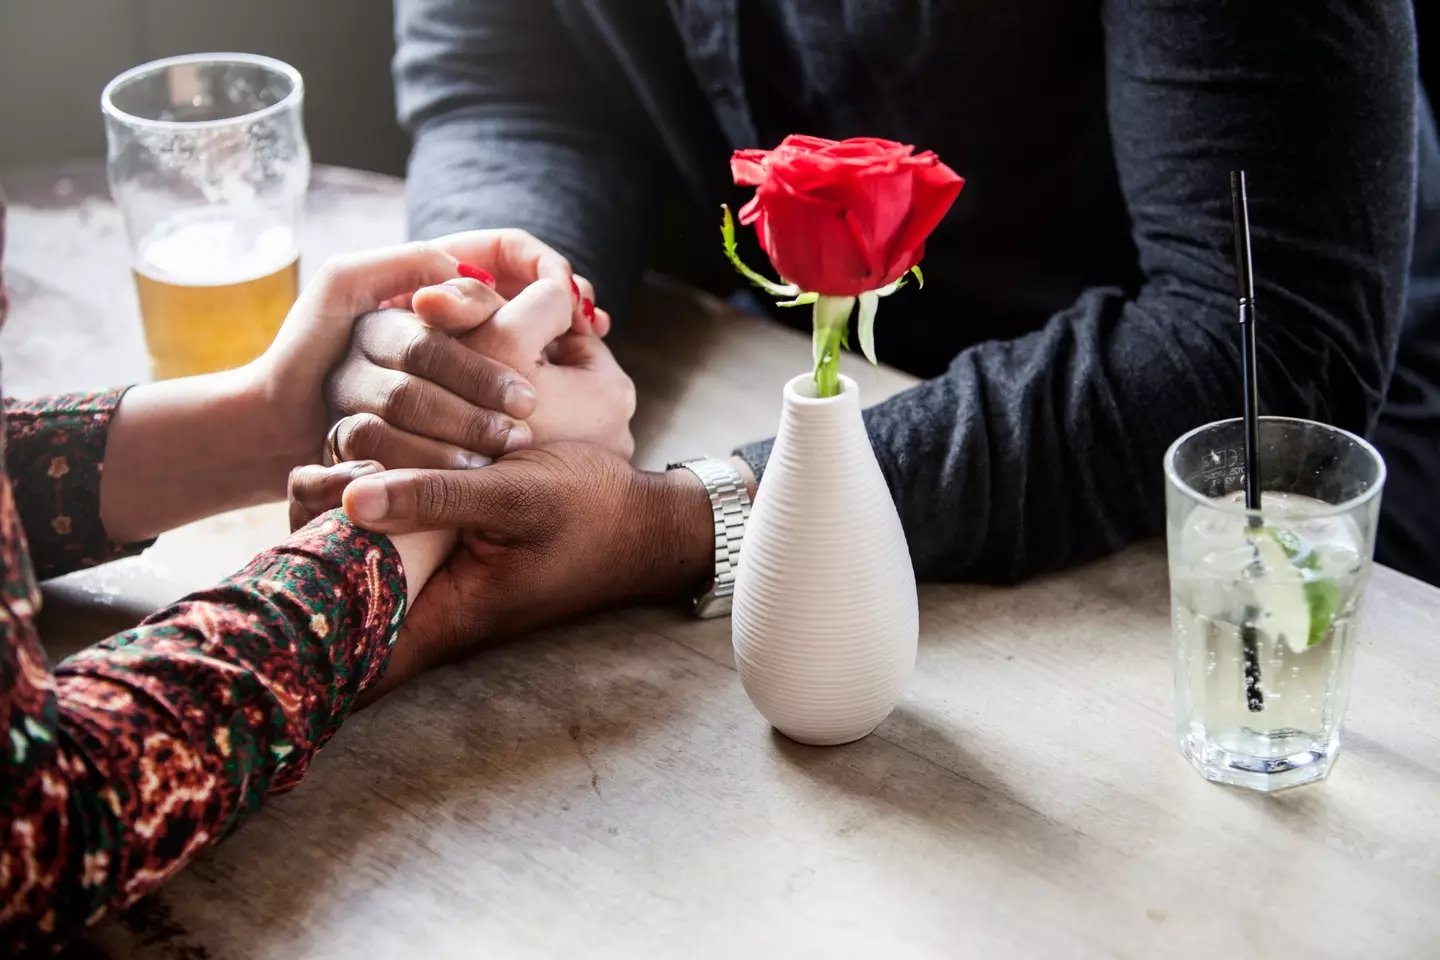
802,143
751,211
933,192
811,243
748,167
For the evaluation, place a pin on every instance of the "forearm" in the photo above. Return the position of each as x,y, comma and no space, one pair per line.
180,450
512,129
147,748
1044,451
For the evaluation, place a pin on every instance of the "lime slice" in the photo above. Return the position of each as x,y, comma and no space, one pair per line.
1280,595
1280,553
1324,598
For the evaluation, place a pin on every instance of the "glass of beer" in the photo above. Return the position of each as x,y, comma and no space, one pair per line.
209,165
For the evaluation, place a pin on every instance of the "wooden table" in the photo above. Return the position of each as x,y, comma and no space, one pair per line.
607,790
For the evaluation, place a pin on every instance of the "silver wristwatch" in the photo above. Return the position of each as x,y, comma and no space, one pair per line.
730,503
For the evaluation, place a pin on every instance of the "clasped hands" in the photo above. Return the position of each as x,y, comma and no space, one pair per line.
494,421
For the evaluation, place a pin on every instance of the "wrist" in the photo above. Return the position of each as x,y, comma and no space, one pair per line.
288,422
421,554
679,537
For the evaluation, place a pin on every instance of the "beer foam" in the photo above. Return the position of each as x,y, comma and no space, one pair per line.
216,252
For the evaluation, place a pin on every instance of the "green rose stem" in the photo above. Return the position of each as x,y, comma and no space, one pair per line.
832,334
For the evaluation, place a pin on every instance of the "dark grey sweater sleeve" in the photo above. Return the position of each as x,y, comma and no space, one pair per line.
1044,451
514,126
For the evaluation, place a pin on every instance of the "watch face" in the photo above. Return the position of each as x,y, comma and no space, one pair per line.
710,606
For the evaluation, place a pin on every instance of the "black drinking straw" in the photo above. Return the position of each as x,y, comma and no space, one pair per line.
1245,297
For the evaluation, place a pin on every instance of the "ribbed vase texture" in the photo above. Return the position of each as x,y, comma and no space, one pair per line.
825,617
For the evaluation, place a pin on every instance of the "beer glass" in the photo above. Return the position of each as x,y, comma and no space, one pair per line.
208,163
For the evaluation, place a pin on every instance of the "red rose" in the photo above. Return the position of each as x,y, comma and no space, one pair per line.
843,218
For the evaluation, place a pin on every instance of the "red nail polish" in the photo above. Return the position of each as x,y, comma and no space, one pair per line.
587,307
477,273
574,289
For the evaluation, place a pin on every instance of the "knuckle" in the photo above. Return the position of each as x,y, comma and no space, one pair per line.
397,399
333,272
444,498
419,353
361,437
486,431
629,400
489,382
297,486
434,497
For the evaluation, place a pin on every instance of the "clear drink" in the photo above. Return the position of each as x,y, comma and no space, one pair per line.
214,292
1265,605
209,164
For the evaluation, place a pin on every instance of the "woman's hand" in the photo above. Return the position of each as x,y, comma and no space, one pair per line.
179,450
516,259
289,377
408,395
581,392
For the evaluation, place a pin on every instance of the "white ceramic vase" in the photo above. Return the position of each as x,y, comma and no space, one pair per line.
825,615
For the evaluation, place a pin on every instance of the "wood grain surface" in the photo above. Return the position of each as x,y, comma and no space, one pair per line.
607,790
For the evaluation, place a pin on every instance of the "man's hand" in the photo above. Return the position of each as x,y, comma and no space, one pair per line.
548,533
469,376
411,395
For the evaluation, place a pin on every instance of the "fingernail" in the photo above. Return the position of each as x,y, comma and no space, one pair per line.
363,469
574,288
477,273
370,501
519,399
473,461
518,438
587,307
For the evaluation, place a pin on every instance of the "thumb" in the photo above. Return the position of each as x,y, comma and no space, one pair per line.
520,330
403,501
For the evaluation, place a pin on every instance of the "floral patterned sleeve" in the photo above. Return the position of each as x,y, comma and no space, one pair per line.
135,754
54,453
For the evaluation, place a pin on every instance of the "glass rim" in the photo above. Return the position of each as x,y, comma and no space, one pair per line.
296,94
1239,508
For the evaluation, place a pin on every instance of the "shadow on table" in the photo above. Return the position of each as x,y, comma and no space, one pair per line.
73,618
913,768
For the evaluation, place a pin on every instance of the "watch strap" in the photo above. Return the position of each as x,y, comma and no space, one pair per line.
730,508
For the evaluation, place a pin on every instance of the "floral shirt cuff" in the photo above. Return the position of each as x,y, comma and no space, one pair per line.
55,452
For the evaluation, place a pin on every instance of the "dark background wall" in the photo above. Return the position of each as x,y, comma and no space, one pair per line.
56,55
